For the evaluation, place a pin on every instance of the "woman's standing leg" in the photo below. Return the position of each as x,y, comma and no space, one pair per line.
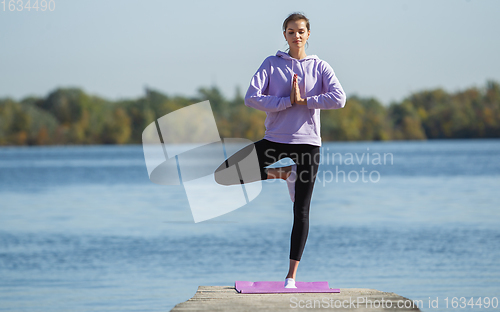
307,160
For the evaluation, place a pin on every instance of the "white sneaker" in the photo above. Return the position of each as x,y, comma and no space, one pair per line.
291,182
290,283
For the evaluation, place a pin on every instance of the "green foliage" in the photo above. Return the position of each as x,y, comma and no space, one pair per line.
70,116
406,122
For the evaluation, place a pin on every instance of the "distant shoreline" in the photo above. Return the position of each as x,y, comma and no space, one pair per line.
324,142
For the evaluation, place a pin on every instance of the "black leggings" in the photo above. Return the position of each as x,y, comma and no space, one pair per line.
307,158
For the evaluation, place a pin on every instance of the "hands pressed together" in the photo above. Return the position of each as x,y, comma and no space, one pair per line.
295,93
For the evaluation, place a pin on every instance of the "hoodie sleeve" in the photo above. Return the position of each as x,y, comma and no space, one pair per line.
334,97
267,103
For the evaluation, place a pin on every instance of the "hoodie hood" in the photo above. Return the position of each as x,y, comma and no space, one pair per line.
287,56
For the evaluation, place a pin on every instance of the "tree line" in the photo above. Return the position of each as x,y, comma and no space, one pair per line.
70,116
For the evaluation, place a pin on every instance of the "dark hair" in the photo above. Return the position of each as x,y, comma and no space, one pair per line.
295,17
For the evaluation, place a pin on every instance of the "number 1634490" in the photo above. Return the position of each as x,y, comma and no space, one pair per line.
19,5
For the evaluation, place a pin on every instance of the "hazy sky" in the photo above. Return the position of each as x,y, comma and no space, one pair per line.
384,49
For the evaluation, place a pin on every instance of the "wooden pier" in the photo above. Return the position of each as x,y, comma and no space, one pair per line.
226,298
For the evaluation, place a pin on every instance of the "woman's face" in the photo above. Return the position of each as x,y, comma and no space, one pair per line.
296,33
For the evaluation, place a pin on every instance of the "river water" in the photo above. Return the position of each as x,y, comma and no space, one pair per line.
83,229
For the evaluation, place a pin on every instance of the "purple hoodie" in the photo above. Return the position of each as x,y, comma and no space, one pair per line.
270,89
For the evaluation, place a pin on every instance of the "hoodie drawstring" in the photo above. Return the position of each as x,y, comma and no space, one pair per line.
305,89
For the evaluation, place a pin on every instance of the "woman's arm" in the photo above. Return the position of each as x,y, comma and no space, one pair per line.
334,97
268,103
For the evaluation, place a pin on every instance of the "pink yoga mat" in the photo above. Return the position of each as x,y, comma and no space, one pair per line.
279,287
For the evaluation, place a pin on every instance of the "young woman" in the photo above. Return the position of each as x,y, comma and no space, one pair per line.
292,88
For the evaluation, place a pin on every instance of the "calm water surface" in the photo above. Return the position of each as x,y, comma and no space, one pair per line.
83,228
